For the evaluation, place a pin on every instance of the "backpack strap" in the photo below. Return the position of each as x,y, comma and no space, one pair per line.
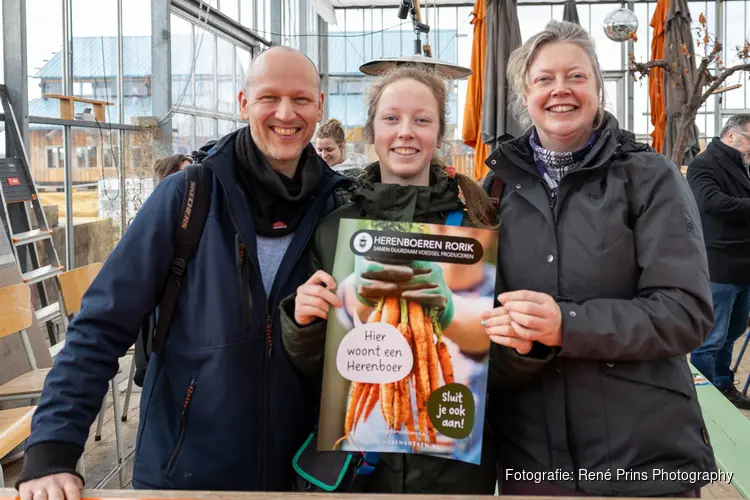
455,218
195,205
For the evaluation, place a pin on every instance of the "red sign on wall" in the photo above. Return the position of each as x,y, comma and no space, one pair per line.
14,181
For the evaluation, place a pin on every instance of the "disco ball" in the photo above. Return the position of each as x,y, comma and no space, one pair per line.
619,24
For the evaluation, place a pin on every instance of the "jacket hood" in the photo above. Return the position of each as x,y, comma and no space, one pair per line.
611,141
412,203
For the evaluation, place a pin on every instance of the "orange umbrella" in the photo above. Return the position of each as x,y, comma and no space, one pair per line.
472,125
656,77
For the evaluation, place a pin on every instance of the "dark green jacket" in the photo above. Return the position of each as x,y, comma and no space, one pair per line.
395,473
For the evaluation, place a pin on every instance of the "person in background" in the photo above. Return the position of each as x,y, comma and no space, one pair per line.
164,167
222,406
720,181
330,142
601,260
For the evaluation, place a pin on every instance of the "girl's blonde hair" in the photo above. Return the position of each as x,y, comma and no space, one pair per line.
480,207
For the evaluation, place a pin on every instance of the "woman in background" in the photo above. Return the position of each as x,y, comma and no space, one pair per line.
330,142
164,167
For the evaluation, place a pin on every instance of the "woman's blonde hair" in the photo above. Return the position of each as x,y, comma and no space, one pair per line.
333,129
480,207
520,60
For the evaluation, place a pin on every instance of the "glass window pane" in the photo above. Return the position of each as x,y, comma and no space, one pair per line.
225,127
227,83
136,47
181,38
139,171
205,130
205,69
533,19
734,29
355,47
2,52
242,61
463,41
182,133
230,8
247,16
94,50
608,51
44,56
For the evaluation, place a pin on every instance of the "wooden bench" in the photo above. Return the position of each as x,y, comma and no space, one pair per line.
728,431
67,106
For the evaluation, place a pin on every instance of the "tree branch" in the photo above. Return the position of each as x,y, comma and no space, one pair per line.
721,77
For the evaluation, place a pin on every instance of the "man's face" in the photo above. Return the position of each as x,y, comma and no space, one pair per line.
740,141
283,103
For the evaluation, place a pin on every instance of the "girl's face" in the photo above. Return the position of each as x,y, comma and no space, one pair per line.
406,130
329,151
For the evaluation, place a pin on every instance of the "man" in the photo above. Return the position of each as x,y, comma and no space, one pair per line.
222,407
720,181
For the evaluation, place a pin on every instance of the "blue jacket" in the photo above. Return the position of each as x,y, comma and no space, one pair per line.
222,407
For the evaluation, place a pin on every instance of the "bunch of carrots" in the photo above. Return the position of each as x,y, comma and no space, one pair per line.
421,329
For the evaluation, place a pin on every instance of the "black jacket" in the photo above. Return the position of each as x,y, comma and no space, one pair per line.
222,407
721,188
623,255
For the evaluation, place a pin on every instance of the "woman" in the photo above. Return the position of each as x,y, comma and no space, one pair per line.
330,142
602,261
164,167
406,122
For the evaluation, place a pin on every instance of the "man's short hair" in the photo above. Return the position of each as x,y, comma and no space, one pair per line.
735,123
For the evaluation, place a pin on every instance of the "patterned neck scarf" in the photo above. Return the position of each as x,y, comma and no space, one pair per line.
553,166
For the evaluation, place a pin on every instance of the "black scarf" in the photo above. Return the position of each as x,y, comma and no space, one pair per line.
277,202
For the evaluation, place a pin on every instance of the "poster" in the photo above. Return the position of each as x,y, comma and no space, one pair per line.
406,356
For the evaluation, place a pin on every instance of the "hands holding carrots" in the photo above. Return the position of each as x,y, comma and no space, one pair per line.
524,317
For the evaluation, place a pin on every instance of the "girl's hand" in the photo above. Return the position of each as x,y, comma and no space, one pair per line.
314,298
497,325
534,316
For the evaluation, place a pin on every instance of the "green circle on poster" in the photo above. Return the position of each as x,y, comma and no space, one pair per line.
451,410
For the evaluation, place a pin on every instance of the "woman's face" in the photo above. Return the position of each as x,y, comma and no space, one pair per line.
329,151
406,129
562,96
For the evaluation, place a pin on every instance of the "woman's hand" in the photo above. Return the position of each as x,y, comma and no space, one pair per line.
314,298
533,316
497,325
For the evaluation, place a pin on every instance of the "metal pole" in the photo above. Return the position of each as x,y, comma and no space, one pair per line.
67,85
120,134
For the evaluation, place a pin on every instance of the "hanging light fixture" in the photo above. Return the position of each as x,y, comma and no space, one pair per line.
620,24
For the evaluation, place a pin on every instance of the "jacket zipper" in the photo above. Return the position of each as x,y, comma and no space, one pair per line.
269,342
183,427
245,300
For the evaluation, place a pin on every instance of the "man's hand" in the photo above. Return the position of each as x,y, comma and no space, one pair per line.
54,487
419,281
534,316
314,298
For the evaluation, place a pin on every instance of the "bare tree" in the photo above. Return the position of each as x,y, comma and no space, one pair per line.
710,74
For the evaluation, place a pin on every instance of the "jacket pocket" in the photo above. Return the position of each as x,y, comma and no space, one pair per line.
183,427
668,374
243,276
